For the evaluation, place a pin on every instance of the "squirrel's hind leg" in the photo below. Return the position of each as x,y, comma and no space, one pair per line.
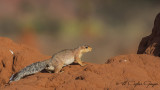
58,68
49,69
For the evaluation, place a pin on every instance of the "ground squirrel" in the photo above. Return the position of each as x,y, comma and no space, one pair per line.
55,63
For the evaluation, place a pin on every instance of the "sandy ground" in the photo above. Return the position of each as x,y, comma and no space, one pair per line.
125,72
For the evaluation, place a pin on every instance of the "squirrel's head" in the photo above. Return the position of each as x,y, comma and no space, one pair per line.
85,48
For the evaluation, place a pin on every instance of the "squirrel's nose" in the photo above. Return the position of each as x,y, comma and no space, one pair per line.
90,49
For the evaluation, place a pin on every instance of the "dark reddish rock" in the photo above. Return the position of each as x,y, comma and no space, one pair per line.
151,44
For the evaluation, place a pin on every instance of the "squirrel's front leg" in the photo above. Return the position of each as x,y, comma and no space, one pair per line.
79,61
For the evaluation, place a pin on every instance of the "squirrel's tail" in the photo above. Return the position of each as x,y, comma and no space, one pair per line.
31,69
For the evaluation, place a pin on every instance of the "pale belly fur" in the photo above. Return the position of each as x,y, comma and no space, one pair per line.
68,61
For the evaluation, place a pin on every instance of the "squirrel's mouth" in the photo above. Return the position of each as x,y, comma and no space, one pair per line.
89,49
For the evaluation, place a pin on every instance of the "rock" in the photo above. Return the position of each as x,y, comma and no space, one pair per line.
151,44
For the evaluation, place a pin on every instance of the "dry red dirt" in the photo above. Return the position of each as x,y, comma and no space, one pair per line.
118,73
11,63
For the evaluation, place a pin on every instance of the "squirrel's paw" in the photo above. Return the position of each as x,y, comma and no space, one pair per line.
61,71
83,65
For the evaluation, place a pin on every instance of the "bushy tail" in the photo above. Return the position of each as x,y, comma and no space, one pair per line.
31,69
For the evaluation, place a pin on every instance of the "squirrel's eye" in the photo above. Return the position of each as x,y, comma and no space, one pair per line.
86,47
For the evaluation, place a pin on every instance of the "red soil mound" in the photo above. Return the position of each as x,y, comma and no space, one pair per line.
151,43
11,63
140,72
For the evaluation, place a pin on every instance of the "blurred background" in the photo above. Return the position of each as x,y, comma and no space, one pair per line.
111,27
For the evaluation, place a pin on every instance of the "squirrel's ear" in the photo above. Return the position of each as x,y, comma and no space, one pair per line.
79,47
